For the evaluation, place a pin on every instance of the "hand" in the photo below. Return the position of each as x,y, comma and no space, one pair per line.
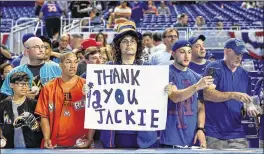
26,119
32,94
48,144
83,143
251,110
204,82
168,88
85,89
241,97
3,141
201,138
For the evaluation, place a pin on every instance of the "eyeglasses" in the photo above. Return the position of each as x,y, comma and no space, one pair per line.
126,42
172,36
38,47
21,84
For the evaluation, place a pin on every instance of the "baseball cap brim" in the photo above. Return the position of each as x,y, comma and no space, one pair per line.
240,50
128,32
193,40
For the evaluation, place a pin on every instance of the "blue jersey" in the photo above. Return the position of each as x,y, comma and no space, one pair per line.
198,68
223,119
47,72
182,116
51,10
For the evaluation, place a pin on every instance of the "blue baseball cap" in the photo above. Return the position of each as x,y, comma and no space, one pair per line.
180,43
26,37
193,40
237,45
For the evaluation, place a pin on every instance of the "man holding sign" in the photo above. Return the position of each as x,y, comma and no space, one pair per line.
117,102
61,106
184,127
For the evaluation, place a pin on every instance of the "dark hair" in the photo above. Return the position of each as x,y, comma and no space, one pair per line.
18,77
46,39
183,15
55,44
3,66
100,33
148,34
63,56
91,51
79,51
157,36
117,52
169,30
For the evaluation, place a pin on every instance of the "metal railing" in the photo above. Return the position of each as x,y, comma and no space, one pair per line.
69,25
21,27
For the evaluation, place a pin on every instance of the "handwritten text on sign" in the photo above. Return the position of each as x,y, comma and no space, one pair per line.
126,97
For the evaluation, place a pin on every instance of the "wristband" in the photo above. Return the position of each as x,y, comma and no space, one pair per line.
200,128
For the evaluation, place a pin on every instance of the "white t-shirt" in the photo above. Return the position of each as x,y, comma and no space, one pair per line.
122,10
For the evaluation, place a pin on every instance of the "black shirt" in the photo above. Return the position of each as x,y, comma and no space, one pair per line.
32,139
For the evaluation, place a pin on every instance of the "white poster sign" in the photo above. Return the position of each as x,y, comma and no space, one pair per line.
126,97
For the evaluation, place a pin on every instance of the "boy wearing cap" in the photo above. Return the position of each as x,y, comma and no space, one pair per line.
128,49
224,99
198,62
186,115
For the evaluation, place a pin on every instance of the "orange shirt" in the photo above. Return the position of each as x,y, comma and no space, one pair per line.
64,105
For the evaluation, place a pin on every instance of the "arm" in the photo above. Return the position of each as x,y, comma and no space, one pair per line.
183,94
45,128
5,53
46,133
201,114
213,95
90,136
55,54
200,124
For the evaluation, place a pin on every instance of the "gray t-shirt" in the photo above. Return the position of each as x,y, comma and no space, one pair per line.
19,141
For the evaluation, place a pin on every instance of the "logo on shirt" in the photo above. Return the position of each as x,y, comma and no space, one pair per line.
7,120
78,105
67,113
51,107
182,109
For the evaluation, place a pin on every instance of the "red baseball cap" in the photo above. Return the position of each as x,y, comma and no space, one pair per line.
90,43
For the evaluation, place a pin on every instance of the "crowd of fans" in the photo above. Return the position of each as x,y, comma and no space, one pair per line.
49,75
